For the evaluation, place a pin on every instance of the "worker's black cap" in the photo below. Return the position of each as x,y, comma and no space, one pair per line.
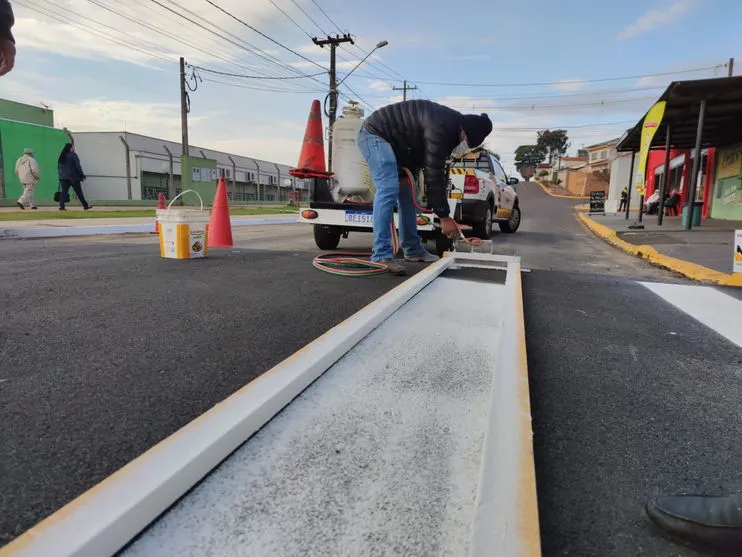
476,128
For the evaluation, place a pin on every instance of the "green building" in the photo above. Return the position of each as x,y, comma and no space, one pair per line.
22,127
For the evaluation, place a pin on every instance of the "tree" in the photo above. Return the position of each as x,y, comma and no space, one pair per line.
553,143
527,157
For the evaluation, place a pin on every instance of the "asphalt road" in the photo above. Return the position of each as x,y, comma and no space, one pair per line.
106,349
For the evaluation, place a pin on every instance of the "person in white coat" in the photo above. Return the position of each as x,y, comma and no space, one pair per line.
27,170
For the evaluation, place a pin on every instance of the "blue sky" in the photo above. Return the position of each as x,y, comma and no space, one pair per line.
66,60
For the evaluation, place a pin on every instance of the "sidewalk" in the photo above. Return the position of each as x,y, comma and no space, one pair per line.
704,253
137,225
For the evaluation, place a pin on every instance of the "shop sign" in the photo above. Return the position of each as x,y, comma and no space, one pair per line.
730,163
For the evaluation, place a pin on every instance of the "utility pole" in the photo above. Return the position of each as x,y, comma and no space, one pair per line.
405,89
730,65
183,107
333,95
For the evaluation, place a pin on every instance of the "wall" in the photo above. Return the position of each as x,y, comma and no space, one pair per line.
582,183
103,159
726,202
46,143
26,113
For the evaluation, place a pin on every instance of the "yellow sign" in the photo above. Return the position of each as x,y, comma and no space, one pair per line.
651,122
730,163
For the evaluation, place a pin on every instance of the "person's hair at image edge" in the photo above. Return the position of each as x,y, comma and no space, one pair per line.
66,149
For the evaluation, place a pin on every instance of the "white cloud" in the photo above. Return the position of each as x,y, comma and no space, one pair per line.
569,85
378,85
657,17
468,57
81,29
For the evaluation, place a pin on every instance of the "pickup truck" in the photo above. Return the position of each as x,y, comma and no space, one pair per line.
485,193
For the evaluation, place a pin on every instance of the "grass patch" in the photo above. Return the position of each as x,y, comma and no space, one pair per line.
75,213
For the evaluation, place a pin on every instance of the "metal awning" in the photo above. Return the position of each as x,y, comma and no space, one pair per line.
722,122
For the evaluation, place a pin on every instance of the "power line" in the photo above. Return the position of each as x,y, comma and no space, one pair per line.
291,19
552,127
214,4
549,107
328,17
265,89
304,76
241,44
309,16
568,82
219,56
63,18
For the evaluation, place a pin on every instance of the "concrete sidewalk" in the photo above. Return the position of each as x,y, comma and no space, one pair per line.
710,244
87,227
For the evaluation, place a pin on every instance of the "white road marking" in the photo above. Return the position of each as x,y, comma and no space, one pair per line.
713,308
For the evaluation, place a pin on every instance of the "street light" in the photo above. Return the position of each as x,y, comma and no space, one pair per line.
380,44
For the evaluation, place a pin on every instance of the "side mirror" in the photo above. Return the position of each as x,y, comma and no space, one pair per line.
513,181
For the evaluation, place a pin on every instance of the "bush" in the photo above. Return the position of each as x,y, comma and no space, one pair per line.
546,182
543,173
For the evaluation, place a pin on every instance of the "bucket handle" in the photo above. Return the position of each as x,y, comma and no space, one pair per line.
187,191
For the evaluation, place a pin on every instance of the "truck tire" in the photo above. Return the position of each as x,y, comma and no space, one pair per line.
483,228
326,237
512,224
442,244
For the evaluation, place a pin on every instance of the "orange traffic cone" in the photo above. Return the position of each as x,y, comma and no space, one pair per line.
220,228
160,205
312,157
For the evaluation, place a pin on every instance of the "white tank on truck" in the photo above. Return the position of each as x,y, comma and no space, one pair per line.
351,175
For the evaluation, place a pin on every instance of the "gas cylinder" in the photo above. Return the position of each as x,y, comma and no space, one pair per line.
351,175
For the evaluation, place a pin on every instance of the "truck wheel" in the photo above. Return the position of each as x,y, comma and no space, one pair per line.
442,244
483,229
326,237
512,224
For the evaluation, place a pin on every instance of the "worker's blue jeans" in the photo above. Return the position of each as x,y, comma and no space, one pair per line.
382,164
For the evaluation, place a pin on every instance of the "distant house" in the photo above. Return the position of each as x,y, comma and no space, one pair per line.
599,155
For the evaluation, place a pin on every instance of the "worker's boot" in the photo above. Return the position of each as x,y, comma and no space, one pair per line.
395,267
710,522
424,257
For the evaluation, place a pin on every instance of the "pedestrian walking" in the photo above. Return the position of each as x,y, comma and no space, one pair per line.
28,172
7,42
71,176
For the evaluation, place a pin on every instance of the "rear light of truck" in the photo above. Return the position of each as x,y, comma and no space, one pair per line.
471,184
308,214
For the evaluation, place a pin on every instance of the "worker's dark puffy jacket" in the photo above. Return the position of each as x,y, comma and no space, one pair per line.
6,20
422,134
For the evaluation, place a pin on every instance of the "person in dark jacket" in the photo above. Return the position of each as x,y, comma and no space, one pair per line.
7,42
413,134
71,176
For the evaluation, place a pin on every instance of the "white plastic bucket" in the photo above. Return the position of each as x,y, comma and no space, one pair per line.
183,232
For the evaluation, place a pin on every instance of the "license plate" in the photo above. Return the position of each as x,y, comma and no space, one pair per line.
359,217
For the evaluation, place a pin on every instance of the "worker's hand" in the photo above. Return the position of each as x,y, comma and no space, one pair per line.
7,56
449,228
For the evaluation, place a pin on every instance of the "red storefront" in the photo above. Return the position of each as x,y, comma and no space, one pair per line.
681,165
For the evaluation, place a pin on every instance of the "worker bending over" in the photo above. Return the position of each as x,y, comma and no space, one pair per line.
413,134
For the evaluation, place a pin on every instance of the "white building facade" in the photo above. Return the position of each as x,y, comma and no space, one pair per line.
123,166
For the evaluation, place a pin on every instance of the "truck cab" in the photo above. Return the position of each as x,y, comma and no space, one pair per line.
484,192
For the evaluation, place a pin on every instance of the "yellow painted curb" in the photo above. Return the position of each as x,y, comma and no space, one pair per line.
686,268
547,192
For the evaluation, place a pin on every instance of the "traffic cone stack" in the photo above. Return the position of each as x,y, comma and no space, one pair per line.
312,156
160,205
220,228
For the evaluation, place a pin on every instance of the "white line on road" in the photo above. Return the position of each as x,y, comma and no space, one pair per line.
713,308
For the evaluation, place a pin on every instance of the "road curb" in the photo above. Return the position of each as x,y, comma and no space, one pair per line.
547,192
685,268
112,229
